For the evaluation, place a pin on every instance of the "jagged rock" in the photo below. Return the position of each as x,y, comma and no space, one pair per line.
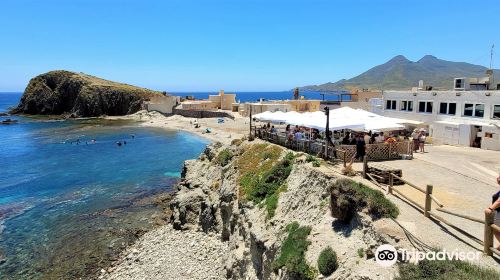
80,95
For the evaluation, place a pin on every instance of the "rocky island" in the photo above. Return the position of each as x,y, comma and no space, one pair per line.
80,95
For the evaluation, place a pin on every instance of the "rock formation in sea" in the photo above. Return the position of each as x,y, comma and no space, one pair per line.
80,95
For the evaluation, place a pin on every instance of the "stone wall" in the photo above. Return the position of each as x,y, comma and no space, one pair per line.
201,114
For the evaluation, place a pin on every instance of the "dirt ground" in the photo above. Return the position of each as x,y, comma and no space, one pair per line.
464,179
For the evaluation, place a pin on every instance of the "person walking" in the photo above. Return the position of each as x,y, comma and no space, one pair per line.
495,207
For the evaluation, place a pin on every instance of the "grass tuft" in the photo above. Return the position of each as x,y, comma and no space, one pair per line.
349,197
292,254
224,157
444,270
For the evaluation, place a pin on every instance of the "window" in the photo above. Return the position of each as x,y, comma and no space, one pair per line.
474,110
407,106
425,107
390,105
452,108
479,110
496,111
443,108
468,109
447,108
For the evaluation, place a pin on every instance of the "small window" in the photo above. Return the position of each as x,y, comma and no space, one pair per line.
403,105
421,107
447,108
429,107
496,111
468,109
443,108
390,105
425,107
452,108
407,106
479,111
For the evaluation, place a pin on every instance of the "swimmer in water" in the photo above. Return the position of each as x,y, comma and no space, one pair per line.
119,143
124,142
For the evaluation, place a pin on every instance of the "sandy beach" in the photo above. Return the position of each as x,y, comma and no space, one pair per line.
223,132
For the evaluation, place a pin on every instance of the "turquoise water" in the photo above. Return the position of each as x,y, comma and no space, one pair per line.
48,178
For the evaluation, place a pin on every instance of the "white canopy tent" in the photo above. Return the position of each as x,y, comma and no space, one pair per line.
341,118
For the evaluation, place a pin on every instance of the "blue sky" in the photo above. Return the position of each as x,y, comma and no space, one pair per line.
240,45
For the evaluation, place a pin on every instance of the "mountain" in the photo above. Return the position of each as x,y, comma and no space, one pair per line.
401,73
80,95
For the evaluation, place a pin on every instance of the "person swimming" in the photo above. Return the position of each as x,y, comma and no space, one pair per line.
119,143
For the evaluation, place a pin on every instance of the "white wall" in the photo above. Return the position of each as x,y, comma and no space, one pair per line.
440,132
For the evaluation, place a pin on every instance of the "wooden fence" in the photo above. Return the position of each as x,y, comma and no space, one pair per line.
378,151
426,207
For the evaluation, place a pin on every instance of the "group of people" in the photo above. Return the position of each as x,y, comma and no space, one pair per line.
419,138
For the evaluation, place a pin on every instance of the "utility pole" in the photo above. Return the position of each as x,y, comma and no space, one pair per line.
250,135
327,131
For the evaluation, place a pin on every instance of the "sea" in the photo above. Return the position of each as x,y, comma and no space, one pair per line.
71,198
271,95
69,195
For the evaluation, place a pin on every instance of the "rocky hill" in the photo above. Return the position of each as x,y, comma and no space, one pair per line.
401,73
80,95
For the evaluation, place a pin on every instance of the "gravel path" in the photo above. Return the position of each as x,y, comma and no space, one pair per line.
165,253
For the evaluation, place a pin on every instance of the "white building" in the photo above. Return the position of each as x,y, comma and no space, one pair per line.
456,117
162,103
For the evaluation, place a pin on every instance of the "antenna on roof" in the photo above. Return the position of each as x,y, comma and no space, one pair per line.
491,56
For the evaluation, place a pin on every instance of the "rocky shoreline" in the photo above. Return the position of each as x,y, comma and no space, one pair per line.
217,234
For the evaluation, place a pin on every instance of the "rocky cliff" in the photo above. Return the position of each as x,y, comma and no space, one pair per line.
80,95
214,197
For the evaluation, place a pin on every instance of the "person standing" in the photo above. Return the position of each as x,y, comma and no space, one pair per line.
495,207
416,143
421,140
360,149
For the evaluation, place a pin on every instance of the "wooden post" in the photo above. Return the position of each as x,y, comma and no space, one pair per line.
428,201
391,183
250,136
488,233
345,163
390,151
365,166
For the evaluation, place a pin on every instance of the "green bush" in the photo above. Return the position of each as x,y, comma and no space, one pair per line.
348,197
361,252
310,158
292,254
444,270
327,261
315,161
224,157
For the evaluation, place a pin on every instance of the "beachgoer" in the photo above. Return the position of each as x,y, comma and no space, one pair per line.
346,139
380,138
367,137
421,141
360,149
416,143
298,135
268,125
287,128
372,139
119,143
495,207
273,130
124,142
